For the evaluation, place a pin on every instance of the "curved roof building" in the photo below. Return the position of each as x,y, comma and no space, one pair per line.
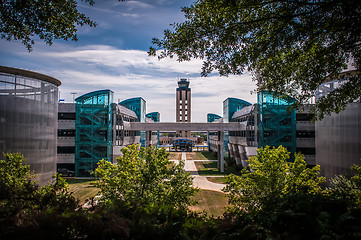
232,105
28,116
137,104
211,117
155,116
94,130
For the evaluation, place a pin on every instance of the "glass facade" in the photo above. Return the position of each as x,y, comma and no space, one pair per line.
211,117
137,105
232,105
155,116
94,131
28,116
277,122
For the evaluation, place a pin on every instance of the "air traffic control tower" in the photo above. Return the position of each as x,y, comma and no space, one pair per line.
183,105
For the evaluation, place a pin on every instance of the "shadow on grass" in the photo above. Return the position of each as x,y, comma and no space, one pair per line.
210,164
77,180
208,155
207,168
211,168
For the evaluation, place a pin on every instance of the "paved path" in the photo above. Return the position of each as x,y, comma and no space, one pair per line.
200,181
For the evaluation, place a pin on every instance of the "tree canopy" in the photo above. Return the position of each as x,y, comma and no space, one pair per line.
291,47
292,205
144,178
47,19
270,178
22,201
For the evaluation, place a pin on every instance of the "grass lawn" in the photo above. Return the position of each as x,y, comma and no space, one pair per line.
210,201
175,156
82,189
200,156
207,168
210,168
217,179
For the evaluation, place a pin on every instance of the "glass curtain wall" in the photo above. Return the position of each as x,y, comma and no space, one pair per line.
277,121
211,117
230,106
138,105
94,131
155,116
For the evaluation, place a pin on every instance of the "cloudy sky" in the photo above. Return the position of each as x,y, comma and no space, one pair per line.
114,56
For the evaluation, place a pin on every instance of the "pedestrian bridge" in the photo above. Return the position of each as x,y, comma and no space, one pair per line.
179,126
199,127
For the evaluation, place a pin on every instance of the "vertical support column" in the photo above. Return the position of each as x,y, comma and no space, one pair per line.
148,138
220,152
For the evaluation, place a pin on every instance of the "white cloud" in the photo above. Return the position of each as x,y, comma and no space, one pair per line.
131,73
101,55
208,93
137,4
132,15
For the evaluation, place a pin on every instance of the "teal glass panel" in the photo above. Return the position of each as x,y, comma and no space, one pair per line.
232,105
138,105
277,121
211,117
155,116
94,135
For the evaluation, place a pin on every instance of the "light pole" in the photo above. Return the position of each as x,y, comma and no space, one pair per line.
73,93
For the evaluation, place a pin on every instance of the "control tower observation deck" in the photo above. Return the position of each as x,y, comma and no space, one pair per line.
183,105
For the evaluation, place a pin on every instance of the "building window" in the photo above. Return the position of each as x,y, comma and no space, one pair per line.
66,150
66,132
304,116
305,134
307,151
66,116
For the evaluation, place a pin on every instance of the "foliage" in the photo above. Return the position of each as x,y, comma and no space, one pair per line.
17,187
166,222
47,19
199,134
144,178
294,216
23,202
271,177
347,189
290,46
49,213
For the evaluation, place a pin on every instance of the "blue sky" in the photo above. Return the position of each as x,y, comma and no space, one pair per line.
114,56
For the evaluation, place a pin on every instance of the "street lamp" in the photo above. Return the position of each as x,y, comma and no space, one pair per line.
73,93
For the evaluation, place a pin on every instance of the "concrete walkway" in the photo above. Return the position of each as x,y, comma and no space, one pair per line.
200,181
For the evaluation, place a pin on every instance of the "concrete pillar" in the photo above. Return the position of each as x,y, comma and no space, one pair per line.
148,138
221,151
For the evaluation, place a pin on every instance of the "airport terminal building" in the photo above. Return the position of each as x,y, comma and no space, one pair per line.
95,128
75,136
334,142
